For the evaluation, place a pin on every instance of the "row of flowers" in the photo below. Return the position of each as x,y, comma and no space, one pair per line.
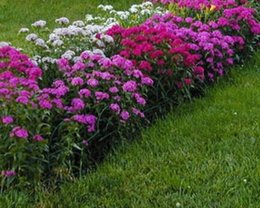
94,80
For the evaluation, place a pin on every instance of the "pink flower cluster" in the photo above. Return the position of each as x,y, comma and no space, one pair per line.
238,19
88,94
18,76
97,80
199,4
216,50
155,51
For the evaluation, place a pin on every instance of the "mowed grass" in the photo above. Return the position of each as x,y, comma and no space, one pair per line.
202,154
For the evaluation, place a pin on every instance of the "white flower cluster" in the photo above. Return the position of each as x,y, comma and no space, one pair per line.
4,44
39,24
24,30
105,7
36,40
62,21
136,14
69,40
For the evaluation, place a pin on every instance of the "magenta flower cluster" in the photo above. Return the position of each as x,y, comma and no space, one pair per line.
158,53
215,49
87,94
94,80
199,4
18,76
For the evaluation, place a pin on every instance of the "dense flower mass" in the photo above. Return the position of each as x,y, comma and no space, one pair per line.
94,80
216,50
200,4
92,95
18,75
158,53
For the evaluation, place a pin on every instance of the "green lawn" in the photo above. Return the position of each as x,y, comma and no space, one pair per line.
202,154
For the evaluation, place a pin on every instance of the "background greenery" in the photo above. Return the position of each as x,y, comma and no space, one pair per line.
203,154
22,13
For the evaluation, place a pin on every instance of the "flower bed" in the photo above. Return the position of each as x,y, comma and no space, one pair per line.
94,80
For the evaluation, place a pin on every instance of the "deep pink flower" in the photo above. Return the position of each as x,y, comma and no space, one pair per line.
198,70
188,81
145,65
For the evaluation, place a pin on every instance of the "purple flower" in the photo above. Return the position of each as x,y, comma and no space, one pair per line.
125,115
25,93
8,173
105,62
19,132
101,96
22,99
4,91
79,66
140,100
63,64
85,55
93,82
77,81
38,138
113,90
84,93
147,81
189,20
89,120
138,74
7,120
77,104
45,104
130,86
115,107
138,112
58,102
230,61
